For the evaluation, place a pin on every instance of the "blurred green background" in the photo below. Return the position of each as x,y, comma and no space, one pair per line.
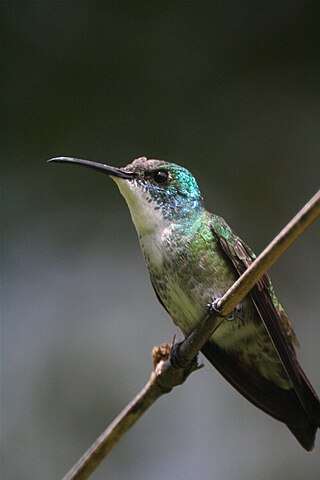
231,91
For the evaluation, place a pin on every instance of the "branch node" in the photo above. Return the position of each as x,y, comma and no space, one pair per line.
160,352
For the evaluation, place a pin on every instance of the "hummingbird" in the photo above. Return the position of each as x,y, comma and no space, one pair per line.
193,257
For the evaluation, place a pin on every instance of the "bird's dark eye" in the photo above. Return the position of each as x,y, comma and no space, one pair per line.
160,176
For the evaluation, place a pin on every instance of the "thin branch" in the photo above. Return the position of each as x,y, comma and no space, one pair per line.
111,436
164,377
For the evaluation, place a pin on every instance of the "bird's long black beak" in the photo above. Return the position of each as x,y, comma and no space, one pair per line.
100,167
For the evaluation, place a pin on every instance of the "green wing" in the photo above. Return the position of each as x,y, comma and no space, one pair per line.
299,407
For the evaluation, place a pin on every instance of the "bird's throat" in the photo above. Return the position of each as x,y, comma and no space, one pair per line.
146,216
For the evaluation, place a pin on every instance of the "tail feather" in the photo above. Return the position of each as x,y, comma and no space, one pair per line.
305,434
306,431
311,399
284,405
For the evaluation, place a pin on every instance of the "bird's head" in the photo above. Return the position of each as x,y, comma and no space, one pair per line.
156,191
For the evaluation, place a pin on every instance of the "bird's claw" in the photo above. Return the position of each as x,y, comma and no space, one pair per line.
177,360
212,308
175,357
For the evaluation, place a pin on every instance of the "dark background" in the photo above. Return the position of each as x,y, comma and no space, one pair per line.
231,91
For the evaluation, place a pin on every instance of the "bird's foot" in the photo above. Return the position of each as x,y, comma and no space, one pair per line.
175,356
212,308
177,360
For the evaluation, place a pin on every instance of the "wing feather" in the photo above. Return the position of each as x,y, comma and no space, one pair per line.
295,406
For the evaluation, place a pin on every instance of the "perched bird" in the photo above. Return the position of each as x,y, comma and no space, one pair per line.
193,257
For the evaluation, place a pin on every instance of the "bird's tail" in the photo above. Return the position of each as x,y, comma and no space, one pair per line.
305,431
300,414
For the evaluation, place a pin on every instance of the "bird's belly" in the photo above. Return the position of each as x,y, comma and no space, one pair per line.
185,309
243,334
188,307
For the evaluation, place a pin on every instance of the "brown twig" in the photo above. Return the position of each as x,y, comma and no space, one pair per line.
164,376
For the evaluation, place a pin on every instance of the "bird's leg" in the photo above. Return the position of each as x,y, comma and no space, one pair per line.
213,309
177,361
175,357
